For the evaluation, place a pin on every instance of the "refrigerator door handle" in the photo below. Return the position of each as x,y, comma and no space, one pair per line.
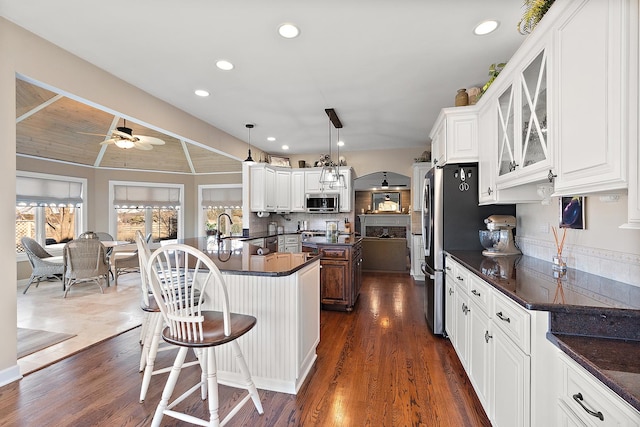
432,274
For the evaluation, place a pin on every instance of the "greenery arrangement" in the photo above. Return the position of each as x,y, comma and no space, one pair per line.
494,70
533,13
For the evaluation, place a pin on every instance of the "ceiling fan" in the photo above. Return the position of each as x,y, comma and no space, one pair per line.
123,137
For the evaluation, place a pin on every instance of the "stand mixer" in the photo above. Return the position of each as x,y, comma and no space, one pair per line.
497,239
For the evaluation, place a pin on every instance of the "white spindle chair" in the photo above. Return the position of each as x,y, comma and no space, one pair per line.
181,277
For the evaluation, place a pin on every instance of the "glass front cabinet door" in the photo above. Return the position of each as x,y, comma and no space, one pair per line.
523,146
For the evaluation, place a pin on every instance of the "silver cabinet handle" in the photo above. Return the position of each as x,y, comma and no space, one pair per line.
501,317
487,337
578,398
476,293
448,268
460,278
450,291
465,309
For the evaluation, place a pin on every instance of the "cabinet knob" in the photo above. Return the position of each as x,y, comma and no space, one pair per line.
551,175
578,398
487,337
450,291
489,190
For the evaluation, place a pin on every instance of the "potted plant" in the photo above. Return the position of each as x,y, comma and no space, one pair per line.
494,70
533,13
211,229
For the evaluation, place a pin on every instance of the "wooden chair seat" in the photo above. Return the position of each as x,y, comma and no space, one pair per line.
213,330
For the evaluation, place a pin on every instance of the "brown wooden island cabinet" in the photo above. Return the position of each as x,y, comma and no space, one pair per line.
340,270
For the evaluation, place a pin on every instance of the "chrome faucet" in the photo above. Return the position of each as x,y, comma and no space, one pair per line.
218,224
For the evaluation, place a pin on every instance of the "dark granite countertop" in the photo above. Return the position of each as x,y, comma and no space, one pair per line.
232,256
594,320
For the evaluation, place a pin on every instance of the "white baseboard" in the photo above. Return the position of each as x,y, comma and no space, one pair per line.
10,375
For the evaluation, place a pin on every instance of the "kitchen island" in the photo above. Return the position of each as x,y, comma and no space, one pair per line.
341,269
579,334
281,349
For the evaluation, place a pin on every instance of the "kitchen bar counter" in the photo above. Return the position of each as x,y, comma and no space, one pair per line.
233,256
594,320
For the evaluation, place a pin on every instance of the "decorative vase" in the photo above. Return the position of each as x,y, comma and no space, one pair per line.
462,98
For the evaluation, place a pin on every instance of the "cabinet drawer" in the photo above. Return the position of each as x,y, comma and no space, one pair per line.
514,321
582,392
334,253
480,293
457,273
289,240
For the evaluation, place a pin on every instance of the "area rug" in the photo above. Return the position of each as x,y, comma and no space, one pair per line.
32,340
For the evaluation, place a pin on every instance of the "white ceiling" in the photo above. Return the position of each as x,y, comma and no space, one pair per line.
386,67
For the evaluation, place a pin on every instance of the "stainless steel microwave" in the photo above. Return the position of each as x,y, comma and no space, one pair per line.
322,203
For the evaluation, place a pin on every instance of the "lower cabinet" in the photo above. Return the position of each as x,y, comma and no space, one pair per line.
491,337
417,257
340,276
585,401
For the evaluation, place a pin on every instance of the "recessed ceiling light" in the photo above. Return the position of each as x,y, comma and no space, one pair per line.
288,31
201,92
486,27
285,147
225,65
271,138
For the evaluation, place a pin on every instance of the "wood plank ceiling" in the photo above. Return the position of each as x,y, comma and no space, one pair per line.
51,126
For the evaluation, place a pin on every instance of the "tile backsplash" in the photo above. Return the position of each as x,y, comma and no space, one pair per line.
620,266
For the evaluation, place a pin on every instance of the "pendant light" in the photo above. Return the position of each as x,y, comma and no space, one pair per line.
340,180
385,184
249,126
329,174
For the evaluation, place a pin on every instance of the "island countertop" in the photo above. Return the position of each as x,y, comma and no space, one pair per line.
233,256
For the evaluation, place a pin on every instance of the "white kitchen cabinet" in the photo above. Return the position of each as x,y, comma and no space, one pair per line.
347,195
292,243
480,352
449,303
510,391
584,400
419,170
297,191
417,257
454,137
524,148
593,95
312,181
283,191
262,188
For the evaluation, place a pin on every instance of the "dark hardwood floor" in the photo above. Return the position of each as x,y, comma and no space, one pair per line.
377,366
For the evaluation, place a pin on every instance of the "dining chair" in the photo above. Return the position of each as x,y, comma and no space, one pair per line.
106,237
85,260
44,266
192,326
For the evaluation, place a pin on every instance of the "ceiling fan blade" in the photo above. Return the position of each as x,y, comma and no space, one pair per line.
142,145
150,140
122,135
96,134
108,141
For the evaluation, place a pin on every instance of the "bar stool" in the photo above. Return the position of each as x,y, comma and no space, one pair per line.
169,270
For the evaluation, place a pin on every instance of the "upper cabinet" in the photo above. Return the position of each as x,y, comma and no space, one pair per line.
524,149
274,189
454,137
595,54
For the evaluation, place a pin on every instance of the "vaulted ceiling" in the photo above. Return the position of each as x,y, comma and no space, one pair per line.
52,126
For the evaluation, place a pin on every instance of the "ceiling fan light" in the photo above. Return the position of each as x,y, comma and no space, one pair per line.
124,143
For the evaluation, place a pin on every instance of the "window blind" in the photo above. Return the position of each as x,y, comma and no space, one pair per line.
134,196
36,191
222,197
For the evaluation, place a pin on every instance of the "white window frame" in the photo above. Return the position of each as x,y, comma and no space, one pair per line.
113,218
80,220
201,218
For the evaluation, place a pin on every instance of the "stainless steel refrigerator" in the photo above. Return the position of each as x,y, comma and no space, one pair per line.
451,219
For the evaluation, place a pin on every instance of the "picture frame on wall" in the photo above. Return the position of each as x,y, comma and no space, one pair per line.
386,201
279,161
572,212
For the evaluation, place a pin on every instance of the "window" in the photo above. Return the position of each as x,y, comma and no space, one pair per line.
150,208
216,200
48,208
